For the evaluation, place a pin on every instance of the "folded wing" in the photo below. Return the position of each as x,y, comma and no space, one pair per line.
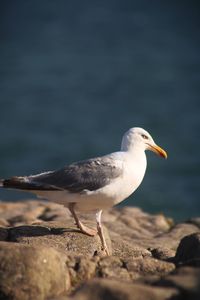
89,175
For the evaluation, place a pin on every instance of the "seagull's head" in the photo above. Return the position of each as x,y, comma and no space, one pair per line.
137,137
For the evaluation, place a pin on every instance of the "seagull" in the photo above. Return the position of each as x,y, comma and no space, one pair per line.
95,184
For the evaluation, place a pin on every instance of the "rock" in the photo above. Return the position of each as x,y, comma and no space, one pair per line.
114,268
173,236
44,256
21,212
3,222
3,234
105,289
59,235
81,269
124,249
54,212
163,253
148,266
29,272
195,221
186,280
139,229
133,223
189,249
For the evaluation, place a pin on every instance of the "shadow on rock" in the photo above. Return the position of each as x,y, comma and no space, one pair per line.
35,230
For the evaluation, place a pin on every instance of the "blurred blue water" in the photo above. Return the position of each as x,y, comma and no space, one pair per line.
74,76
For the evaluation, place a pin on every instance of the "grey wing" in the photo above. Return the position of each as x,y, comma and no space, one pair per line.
89,175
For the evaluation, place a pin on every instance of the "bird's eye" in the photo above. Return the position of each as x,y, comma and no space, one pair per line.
145,137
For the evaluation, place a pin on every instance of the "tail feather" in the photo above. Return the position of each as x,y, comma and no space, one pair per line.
23,183
16,183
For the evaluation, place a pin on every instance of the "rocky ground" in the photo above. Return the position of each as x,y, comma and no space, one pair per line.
44,256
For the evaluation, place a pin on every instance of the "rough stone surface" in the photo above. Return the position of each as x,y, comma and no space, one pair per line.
63,236
114,290
29,272
148,266
163,253
186,280
44,256
195,221
113,267
81,269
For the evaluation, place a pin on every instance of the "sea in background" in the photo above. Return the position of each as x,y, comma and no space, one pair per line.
75,75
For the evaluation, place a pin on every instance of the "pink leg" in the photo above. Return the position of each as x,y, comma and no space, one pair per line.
79,224
100,233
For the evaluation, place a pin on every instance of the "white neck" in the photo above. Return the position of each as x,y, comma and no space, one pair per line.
136,153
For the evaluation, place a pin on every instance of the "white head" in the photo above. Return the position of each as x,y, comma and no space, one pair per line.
137,137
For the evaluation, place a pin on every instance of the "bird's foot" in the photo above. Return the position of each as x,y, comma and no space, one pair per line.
87,230
105,251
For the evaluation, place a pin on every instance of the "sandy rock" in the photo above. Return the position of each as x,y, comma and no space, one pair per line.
148,266
114,268
133,223
105,289
124,249
44,256
140,229
3,222
173,237
54,212
195,221
186,280
21,212
163,253
81,268
133,215
29,272
59,235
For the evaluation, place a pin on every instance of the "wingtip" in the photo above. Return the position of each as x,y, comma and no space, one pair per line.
15,182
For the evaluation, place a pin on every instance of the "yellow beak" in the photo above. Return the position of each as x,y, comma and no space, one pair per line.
158,150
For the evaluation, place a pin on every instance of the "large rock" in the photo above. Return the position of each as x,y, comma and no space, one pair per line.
139,267
188,250
3,234
114,268
144,231
18,213
104,289
59,235
44,256
31,272
186,280
163,253
81,269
